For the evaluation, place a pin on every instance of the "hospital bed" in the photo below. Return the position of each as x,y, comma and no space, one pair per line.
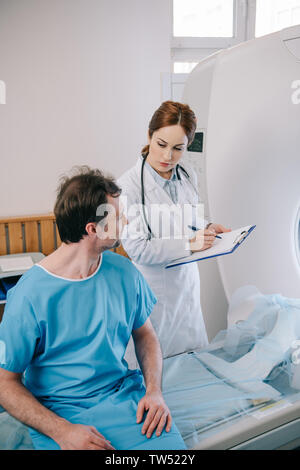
209,412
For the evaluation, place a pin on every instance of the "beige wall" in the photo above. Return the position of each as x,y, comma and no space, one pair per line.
83,78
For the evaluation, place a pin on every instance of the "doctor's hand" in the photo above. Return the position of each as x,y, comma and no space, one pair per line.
158,414
203,240
81,437
218,228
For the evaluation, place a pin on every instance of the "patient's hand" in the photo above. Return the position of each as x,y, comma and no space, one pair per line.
158,414
82,437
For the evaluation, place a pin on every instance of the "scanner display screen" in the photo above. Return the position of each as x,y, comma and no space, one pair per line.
197,144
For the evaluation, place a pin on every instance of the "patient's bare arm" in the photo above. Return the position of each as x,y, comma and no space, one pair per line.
149,355
22,405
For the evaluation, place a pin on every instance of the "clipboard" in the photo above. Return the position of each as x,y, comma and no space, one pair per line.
229,243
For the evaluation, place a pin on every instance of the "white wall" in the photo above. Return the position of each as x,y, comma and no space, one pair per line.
83,78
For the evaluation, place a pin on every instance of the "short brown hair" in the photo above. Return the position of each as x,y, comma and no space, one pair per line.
78,198
171,113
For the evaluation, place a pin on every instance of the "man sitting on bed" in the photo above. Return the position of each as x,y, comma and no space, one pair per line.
67,323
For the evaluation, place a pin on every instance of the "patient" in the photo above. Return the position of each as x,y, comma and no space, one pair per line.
67,323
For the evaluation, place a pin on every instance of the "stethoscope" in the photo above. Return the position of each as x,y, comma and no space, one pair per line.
177,168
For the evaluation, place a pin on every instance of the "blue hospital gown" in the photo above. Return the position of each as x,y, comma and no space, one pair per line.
70,336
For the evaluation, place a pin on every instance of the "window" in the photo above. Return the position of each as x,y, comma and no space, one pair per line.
273,15
184,67
203,18
202,27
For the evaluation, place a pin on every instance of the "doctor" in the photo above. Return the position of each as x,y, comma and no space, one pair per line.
159,182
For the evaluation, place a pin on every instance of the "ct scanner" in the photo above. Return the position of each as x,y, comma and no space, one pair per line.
247,103
243,98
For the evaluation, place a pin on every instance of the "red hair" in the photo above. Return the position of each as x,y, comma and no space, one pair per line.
171,113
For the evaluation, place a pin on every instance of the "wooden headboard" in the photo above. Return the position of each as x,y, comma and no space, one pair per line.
32,233
28,234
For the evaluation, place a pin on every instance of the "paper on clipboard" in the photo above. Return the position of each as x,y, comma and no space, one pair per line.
229,242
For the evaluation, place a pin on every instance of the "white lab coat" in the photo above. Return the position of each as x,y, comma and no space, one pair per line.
177,316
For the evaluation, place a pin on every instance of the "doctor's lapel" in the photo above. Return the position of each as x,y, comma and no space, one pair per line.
171,215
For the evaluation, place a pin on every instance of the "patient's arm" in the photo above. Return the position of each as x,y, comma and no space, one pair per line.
149,355
22,405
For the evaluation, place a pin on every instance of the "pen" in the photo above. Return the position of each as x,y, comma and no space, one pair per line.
196,229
